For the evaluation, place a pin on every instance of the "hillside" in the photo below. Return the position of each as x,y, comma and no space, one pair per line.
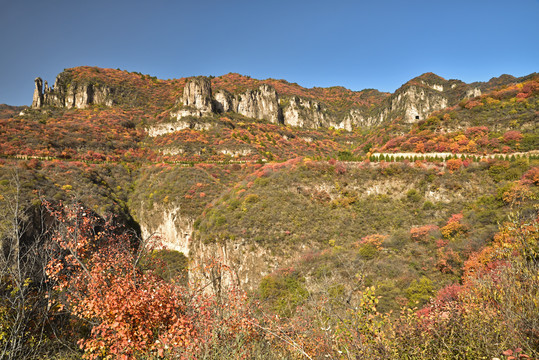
283,191
500,121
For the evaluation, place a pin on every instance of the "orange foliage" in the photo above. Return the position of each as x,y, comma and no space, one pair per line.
531,176
133,312
448,260
422,233
454,226
454,164
512,135
472,103
375,240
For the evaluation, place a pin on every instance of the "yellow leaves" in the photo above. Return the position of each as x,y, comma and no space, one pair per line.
517,194
491,101
453,226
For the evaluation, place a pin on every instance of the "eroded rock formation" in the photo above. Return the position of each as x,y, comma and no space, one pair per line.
37,101
69,94
197,100
413,102
262,103
304,113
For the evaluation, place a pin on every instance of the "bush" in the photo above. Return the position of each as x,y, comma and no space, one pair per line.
419,292
283,291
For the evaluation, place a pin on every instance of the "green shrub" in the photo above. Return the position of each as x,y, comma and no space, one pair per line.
368,251
283,292
413,195
419,292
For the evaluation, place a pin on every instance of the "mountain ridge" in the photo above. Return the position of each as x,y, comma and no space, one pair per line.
292,104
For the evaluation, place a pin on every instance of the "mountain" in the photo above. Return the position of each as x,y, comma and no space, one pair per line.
274,100
237,117
303,195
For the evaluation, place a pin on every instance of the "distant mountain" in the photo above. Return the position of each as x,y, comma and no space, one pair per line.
277,101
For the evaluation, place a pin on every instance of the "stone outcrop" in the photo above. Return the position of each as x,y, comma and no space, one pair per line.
68,94
223,101
262,103
417,103
179,125
304,113
174,230
197,100
413,102
37,101
473,93
356,118
197,93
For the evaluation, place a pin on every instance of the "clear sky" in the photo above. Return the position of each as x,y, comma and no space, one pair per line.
356,44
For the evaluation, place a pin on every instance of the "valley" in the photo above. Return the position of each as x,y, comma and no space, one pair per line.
363,212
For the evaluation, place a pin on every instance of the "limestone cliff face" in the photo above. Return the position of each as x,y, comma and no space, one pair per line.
262,103
413,102
304,113
418,102
356,118
37,100
473,93
248,262
179,125
223,101
197,93
174,230
68,94
170,228
196,100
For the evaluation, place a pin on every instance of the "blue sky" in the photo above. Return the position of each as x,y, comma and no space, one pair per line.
356,44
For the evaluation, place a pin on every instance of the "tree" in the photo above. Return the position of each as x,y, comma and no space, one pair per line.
24,315
130,311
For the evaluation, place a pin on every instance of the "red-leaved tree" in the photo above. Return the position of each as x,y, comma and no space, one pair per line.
131,312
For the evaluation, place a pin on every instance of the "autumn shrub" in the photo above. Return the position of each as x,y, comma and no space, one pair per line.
454,164
375,240
419,291
454,226
131,310
423,233
170,265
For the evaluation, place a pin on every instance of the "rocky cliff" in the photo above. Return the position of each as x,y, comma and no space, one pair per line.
413,102
305,113
197,100
275,101
70,94
261,103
